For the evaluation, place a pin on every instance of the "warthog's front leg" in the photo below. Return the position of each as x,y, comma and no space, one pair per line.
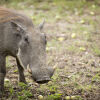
21,72
2,73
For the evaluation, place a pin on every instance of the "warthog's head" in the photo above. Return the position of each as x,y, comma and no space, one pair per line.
32,52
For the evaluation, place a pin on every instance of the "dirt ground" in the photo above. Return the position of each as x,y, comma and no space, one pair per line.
73,46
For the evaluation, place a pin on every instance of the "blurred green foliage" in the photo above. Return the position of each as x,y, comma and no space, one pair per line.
7,1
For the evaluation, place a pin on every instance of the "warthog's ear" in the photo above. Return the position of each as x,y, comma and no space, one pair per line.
41,25
17,26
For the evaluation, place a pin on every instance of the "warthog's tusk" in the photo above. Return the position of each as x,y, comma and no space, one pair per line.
29,70
18,57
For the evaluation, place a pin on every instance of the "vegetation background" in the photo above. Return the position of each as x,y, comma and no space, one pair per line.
73,33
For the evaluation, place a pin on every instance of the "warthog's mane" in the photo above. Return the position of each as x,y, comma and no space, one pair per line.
7,15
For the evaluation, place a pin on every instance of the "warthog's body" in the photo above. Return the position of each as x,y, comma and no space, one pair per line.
20,39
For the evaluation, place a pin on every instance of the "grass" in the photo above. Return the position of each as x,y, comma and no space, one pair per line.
96,78
96,50
66,17
54,97
24,92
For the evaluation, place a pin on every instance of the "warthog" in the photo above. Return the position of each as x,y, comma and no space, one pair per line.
21,39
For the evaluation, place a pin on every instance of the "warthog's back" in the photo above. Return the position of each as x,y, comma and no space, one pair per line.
7,15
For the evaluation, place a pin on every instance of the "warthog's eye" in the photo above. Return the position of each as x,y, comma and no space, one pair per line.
45,40
26,39
18,35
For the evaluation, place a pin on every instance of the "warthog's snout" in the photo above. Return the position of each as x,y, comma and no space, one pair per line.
43,80
43,75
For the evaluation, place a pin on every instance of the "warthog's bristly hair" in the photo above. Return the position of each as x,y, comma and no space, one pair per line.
7,15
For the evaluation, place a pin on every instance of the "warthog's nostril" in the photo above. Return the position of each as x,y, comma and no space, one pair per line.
42,81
